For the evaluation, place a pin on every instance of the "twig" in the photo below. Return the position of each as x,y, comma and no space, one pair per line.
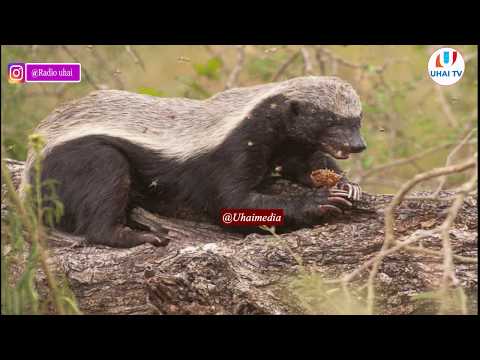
439,199
320,57
58,91
450,156
35,232
448,266
398,198
452,120
323,51
419,235
134,55
103,65
285,65
389,62
84,70
382,182
389,221
334,66
459,258
218,54
398,162
307,63
232,79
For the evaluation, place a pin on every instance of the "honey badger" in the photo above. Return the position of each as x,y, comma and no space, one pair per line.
113,150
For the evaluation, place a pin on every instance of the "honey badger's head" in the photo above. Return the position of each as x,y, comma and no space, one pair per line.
325,113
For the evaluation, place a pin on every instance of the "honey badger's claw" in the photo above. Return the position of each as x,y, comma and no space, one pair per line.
325,208
154,240
339,200
338,192
354,191
350,191
357,192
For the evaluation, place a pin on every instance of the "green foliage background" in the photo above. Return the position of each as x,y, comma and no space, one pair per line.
404,113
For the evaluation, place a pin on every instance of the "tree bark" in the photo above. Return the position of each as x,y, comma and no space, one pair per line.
208,270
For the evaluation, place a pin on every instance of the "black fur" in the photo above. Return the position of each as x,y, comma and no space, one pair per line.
100,178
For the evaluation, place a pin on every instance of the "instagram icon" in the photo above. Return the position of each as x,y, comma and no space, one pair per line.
16,73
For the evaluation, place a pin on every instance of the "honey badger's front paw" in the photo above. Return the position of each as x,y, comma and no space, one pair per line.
325,201
353,189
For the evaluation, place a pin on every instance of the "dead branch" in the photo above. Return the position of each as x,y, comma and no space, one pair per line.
233,77
406,160
209,270
447,110
285,65
102,64
449,276
450,157
135,57
398,198
329,54
389,223
307,63
84,70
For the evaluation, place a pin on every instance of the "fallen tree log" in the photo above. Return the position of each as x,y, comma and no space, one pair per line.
205,269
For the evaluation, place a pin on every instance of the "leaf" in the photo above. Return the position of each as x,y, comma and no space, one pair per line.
195,90
150,91
371,69
211,69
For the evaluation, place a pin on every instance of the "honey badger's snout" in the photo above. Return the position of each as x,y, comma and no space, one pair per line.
340,142
358,145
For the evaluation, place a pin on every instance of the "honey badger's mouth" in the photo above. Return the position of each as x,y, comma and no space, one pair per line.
341,154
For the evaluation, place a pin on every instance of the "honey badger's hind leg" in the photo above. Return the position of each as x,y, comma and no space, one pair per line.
94,184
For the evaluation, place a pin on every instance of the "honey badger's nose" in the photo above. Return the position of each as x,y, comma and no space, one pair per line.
358,146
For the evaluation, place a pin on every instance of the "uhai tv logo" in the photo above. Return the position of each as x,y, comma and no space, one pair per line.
446,66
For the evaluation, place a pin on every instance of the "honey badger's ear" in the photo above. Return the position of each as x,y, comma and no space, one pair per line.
294,107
